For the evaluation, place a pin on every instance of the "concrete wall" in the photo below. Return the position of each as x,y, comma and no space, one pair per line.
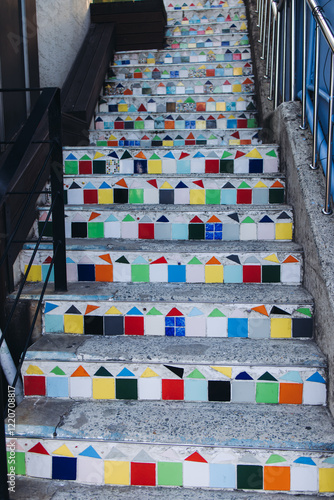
306,193
62,26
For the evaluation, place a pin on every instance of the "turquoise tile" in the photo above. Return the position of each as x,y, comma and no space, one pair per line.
53,323
259,328
232,274
57,387
222,476
179,231
229,197
195,390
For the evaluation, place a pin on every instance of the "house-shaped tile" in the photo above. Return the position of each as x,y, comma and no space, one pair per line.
195,323
116,468
90,467
196,471
134,322
315,390
80,384
122,270
57,383
103,384
39,462
159,270
149,385
64,464
126,385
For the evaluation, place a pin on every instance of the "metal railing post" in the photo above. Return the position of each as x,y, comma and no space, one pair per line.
293,51
303,123
264,29
261,21
259,12
327,209
284,51
314,164
278,40
268,40
57,194
272,61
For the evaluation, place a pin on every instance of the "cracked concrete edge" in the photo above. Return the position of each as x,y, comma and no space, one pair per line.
306,193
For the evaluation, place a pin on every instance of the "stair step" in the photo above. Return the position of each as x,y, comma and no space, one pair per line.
238,85
226,7
148,261
164,123
188,70
207,16
238,160
285,312
177,104
151,223
191,445
206,41
174,190
224,370
214,27
220,54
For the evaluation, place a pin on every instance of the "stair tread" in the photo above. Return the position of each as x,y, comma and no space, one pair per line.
199,351
172,293
220,209
46,489
276,427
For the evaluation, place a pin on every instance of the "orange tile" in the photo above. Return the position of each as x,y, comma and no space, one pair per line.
291,394
103,273
276,478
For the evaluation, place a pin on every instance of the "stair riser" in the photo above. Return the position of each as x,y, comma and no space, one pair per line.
173,268
206,18
157,382
221,468
79,224
145,104
211,41
213,28
225,161
252,321
172,191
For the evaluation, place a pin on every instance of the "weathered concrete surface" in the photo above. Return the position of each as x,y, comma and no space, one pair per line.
280,427
44,489
306,192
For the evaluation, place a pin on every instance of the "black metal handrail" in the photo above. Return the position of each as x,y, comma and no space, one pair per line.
47,110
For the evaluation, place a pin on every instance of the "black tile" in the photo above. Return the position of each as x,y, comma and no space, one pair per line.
79,229
121,195
302,327
219,390
113,325
166,196
93,325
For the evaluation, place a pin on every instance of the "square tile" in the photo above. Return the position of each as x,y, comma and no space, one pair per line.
290,393
116,472
233,274
276,478
302,327
280,328
126,388
57,387
104,388
219,390
223,476
180,231
140,273
170,474
237,327
134,325
267,392
154,325
196,231
251,274
176,274
231,232
249,477
113,325
195,326
195,390
172,390
243,391
216,327
34,385
149,388
259,328
93,325
143,474
196,474
304,478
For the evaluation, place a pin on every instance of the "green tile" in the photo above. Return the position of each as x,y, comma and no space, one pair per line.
20,464
196,231
140,273
212,197
140,125
71,167
95,230
251,123
267,392
169,474
249,477
136,196
276,195
271,274
226,166
99,167
126,389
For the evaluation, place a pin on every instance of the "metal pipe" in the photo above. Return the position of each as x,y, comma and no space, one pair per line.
324,26
293,50
259,12
303,123
327,209
264,29
261,21
284,51
277,72
272,61
314,164
268,40
25,54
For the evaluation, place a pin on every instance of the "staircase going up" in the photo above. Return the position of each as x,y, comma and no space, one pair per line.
183,353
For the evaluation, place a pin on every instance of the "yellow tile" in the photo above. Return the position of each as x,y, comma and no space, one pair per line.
73,323
283,231
35,273
200,124
280,328
168,143
116,472
220,106
105,196
104,388
237,71
214,274
122,108
326,480
150,61
234,142
154,167
197,197
236,87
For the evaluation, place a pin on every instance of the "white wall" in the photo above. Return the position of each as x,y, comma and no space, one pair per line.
62,26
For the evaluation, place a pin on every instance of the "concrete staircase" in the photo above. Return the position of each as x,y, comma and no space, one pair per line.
182,354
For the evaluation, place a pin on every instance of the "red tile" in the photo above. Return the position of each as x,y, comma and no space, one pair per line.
34,385
244,196
172,389
90,196
190,142
212,166
200,106
112,143
242,123
210,72
118,125
146,231
85,167
143,474
252,274
134,325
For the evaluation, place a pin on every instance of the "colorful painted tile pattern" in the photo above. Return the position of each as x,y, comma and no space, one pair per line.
140,267
257,321
233,226
104,161
198,383
145,465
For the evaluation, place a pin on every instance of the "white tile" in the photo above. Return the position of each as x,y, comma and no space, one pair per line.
216,327
129,230
151,196
248,231
149,388
241,165
90,470
112,229
266,231
122,272
126,166
314,393
181,196
75,196
168,166
195,326
304,478
80,387
290,273
154,325
196,474
38,465
159,273
195,273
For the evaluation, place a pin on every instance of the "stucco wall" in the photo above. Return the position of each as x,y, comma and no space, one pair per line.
62,26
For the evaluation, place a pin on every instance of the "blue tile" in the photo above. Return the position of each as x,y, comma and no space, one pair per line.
176,274
222,476
180,332
179,231
86,272
53,323
57,387
237,327
169,321
64,468
195,390
232,274
180,321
